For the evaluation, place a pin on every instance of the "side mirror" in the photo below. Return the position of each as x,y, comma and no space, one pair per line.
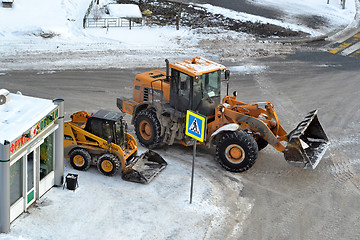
235,93
227,78
227,74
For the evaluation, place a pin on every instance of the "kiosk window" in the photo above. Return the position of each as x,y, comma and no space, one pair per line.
16,181
47,156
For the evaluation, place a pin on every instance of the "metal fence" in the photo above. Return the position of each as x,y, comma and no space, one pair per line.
112,22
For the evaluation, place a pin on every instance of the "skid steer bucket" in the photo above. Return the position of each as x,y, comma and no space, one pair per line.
144,168
307,143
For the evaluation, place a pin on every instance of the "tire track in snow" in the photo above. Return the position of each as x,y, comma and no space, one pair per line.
225,192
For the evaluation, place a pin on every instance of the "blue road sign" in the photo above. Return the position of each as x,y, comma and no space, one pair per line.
195,125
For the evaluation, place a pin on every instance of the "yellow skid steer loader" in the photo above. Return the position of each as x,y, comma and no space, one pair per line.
102,140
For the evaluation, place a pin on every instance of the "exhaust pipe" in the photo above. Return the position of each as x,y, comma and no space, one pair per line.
167,69
307,143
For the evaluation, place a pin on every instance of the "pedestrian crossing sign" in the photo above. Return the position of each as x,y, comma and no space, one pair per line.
195,125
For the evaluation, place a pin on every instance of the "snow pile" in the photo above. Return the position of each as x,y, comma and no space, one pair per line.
124,10
31,18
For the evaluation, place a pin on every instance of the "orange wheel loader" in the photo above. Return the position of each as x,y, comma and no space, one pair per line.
102,140
236,129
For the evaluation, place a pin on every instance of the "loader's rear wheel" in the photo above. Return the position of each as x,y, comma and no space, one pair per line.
108,164
80,159
148,128
236,151
145,130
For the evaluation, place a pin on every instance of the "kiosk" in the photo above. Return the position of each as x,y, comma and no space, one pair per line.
31,152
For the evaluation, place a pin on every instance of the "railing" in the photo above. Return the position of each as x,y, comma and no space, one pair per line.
111,22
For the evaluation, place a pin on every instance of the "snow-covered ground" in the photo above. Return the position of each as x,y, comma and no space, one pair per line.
111,208
108,207
22,47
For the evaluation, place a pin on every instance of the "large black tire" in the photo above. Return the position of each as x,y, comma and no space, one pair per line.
148,128
80,159
108,164
236,151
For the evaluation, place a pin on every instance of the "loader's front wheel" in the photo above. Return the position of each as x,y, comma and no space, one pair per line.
148,128
108,164
236,151
80,159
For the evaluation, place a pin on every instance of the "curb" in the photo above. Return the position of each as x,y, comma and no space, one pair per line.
297,40
353,27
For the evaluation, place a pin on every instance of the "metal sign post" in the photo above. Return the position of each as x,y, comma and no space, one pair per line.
192,171
195,128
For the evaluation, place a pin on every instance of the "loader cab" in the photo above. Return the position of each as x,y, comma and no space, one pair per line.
195,85
107,125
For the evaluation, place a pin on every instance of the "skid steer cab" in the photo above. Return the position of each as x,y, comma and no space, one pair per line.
101,139
237,130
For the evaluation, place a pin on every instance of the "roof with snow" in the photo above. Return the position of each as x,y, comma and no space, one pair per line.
124,10
197,66
20,113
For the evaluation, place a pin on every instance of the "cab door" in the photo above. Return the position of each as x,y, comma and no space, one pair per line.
180,92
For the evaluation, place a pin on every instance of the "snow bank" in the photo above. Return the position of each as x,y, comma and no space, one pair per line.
31,18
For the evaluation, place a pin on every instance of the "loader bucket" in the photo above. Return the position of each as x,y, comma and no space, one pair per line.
144,168
307,143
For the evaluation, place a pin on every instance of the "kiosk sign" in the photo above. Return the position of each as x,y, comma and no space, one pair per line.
31,133
195,125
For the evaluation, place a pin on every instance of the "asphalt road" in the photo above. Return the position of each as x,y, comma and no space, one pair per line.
292,203
288,202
